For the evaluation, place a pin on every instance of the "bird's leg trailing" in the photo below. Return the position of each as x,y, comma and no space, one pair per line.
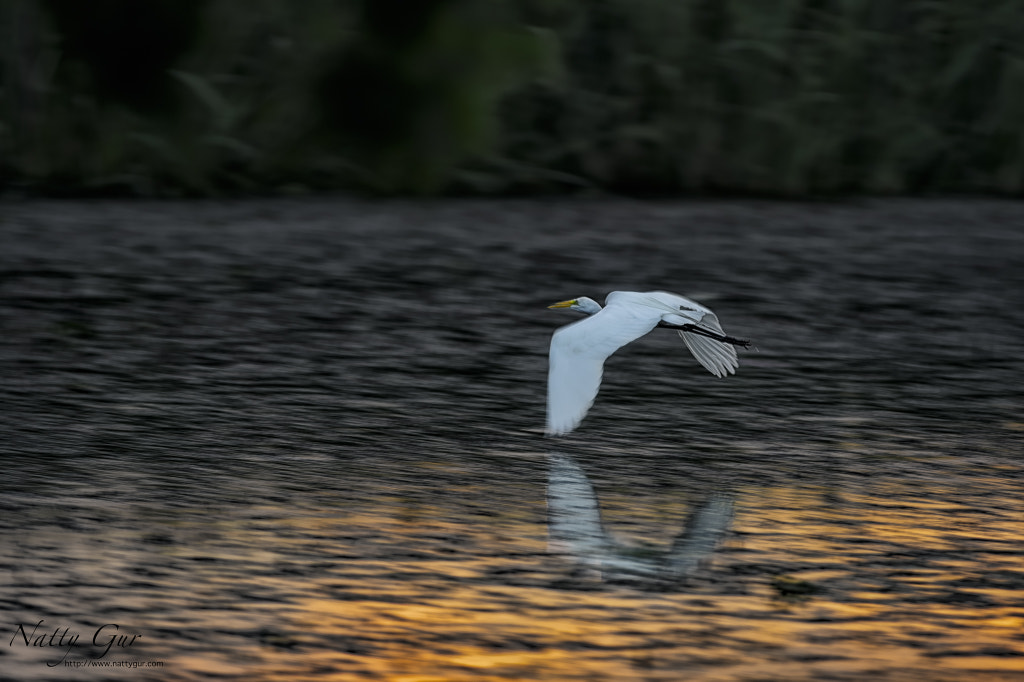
694,329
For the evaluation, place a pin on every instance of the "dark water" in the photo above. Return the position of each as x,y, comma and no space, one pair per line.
302,441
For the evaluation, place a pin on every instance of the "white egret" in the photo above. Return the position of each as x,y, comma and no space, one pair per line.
578,350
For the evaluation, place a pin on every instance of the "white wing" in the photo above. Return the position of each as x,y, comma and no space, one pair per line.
577,356
717,357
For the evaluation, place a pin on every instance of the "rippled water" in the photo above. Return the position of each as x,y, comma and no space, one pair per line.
302,441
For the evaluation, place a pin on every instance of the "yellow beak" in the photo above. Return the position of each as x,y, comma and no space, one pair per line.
563,304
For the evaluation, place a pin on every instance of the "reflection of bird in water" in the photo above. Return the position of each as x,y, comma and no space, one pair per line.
578,350
575,528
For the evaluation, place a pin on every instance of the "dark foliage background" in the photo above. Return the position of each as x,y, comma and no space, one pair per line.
766,97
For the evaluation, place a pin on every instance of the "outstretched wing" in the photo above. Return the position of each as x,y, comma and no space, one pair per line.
717,357
576,360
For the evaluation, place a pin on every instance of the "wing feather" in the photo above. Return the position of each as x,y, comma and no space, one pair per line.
717,357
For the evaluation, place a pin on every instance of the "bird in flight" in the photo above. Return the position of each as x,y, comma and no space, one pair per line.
578,350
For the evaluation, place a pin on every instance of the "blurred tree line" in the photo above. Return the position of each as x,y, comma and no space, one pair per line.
772,97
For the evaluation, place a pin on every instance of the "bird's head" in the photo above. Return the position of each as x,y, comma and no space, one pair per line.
583,304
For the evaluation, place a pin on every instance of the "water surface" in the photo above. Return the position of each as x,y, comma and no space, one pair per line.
301,440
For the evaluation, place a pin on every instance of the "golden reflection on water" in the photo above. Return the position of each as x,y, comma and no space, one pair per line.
903,585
